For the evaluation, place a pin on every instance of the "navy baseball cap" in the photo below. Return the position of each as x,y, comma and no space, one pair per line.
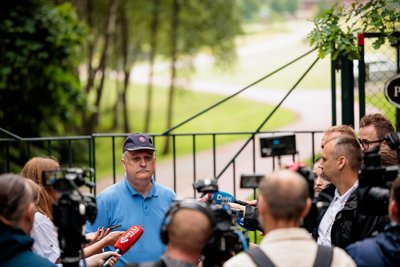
137,141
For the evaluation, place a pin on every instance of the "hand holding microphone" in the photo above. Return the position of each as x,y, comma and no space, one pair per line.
126,241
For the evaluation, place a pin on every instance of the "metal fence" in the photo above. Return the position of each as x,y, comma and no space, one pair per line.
380,65
225,155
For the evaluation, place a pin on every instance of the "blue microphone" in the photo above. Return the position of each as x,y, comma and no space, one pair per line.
221,197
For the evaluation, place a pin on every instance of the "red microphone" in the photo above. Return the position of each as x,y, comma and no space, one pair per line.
126,241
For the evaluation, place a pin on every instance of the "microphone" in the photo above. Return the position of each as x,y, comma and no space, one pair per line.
126,241
221,197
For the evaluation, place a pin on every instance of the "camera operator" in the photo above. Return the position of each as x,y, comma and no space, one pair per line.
340,221
372,133
283,202
384,249
44,232
186,230
91,261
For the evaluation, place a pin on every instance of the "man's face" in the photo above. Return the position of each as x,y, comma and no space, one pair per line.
328,163
368,134
139,165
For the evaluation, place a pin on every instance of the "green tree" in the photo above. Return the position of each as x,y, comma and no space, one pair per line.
214,27
39,85
152,30
335,29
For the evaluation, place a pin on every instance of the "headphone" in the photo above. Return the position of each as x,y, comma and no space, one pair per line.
188,203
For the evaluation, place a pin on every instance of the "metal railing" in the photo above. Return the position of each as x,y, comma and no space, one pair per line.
196,164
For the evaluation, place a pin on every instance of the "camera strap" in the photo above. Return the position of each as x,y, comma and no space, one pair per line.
322,259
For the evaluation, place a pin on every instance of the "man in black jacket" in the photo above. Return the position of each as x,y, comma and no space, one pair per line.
340,221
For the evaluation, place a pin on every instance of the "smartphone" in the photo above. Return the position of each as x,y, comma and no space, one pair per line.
115,226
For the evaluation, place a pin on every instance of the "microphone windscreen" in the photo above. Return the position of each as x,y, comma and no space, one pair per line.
128,239
221,197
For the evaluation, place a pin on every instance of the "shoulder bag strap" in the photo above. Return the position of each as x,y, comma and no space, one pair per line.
324,256
259,257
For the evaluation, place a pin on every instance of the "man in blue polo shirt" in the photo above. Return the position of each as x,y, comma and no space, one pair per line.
137,200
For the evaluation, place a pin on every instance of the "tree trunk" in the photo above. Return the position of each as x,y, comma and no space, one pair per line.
115,109
90,47
153,49
174,58
94,118
126,66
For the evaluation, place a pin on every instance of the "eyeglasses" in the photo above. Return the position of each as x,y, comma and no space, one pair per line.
365,143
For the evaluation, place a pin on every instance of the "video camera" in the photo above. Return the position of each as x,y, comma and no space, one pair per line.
375,180
227,238
71,210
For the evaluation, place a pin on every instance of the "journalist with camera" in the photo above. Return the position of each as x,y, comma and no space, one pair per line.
43,175
71,210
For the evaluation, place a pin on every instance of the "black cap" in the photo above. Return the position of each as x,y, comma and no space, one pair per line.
137,141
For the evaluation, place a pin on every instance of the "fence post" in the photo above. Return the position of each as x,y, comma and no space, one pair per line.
333,90
347,81
361,76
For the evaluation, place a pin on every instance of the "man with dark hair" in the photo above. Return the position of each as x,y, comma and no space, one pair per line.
136,200
384,249
339,221
283,202
373,130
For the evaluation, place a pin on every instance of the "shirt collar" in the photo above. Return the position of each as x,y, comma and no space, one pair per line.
152,193
343,198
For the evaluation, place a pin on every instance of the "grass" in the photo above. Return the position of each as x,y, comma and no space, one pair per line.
235,115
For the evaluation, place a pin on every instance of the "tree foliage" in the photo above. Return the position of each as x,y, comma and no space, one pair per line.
39,85
335,29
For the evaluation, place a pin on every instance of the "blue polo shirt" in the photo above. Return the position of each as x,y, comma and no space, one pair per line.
121,204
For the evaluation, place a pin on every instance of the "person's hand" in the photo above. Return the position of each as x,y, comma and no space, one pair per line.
251,202
111,238
98,260
96,236
236,206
